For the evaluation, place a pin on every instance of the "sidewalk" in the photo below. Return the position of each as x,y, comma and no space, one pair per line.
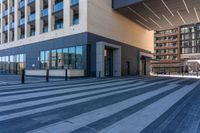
177,76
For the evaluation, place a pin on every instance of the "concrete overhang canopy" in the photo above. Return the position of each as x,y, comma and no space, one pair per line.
159,14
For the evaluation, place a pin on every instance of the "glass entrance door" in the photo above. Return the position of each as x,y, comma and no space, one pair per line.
108,62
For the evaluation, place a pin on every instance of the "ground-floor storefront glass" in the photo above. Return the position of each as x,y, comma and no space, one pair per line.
64,58
12,63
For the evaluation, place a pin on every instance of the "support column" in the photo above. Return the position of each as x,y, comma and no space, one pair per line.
26,18
16,20
38,15
50,4
66,14
1,22
8,21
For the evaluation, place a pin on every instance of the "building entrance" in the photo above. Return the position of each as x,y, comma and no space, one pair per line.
108,58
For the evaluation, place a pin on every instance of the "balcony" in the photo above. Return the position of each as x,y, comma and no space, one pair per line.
44,12
76,21
12,9
21,4
31,1
32,33
58,7
21,21
12,25
58,26
5,28
31,17
5,13
166,41
74,2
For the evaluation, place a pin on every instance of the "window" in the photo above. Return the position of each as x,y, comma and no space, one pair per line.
53,59
66,58
60,58
75,12
72,58
79,57
44,59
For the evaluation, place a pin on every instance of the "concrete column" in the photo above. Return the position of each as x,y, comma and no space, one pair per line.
66,15
100,59
27,12
50,15
9,20
1,23
38,15
16,20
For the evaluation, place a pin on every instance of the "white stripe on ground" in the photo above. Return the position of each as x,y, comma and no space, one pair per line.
146,116
58,98
52,107
179,81
54,92
95,115
57,87
60,83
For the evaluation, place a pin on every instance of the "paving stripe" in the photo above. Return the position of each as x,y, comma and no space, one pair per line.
45,83
36,86
59,98
147,115
48,89
92,116
47,108
54,92
179,81
163,121
21,98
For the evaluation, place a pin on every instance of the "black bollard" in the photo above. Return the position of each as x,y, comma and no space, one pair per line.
66,74
99,74
23,76
47,75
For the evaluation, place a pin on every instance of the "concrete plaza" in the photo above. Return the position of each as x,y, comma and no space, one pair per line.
111,105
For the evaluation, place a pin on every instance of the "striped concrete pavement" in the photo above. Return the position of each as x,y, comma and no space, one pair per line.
112,105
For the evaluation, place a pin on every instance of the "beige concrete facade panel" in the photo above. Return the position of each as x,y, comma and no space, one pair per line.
104,21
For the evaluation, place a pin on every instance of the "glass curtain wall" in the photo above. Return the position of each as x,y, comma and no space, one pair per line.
12,63
65,58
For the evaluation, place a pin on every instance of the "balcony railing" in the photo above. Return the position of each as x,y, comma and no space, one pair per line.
74,2
12,25
76,21
22,21
58,7
22,4
31,17
6,12
32,33
58,26
31,1
12,9
5,28
44,12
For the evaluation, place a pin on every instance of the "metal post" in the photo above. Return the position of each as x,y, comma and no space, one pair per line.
99,74
182,71
23,76
66,74
47,75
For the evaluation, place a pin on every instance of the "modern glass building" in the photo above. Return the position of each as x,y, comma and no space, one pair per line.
89,35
